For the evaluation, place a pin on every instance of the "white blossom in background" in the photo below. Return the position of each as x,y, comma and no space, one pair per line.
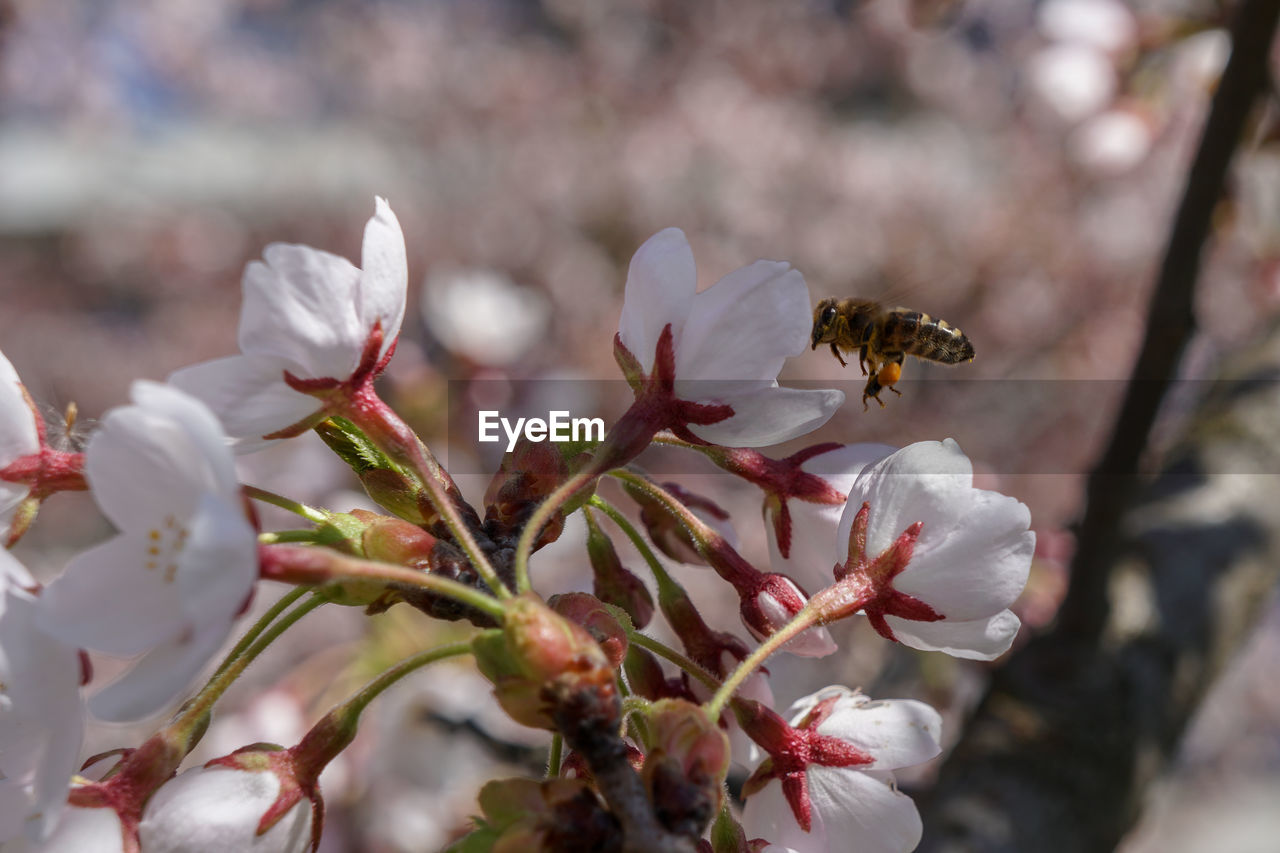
848,808
172,582
969,562
729,341
217,809
308,313
41,712
18,437
484,315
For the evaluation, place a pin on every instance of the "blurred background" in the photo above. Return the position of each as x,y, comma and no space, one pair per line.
1010,166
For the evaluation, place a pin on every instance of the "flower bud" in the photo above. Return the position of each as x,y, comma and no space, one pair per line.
774,603
541,663
527,475
599,620
685,767
612,583
668,533
246,801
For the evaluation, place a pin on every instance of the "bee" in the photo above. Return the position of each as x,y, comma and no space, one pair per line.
883,337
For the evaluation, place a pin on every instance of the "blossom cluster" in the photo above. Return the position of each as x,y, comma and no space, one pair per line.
900,537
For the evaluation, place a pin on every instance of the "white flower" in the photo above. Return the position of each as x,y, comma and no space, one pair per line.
813,526
310,314
484,315
41,712
729,342
947,586
217,809
835,775
82,830
183,566
19,437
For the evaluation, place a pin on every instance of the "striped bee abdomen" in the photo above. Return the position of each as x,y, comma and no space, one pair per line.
916,333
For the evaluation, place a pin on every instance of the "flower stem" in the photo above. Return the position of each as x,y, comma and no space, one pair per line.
803,620
662,650
194,715
298,564
258,627
713,547
555,756
628,438
350,709
393,436
310,513
629,530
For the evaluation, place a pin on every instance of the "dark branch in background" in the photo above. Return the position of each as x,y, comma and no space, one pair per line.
1081,721
1170,316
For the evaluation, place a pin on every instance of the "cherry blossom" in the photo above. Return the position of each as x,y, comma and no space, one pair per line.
932,561
41,712
217,808
184,563
832,767
311,324
717,353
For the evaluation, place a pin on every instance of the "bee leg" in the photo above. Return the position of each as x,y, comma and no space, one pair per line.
862,359
836,352
872,391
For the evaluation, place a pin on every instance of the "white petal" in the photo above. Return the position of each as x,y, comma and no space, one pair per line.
770,416
216,809
979,639
215,469
384,277
12,572
862,811
300,306
17,423
218,566
814,549
41,722
660,289
745,325
86,831
116,597
145,464
158,677
974,551
248,394
895,732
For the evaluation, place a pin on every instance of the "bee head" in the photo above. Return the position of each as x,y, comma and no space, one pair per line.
824,318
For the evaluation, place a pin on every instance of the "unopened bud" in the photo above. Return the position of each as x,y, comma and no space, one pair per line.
613,583
541,662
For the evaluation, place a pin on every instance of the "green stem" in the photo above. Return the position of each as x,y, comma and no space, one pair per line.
393,437
805,619
351,709
556,756
662,650
629,530
541,515
310,513
318,566
258,627
194,713
278,537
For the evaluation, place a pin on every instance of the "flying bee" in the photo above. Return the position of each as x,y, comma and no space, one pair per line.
883,337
